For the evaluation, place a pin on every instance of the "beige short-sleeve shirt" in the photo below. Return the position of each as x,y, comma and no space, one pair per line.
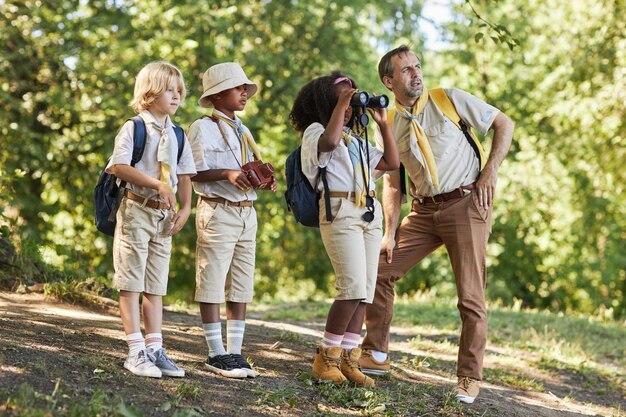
212,151
148,164
339,171
456,161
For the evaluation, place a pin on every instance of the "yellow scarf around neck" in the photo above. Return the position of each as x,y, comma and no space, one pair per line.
417,134
244,138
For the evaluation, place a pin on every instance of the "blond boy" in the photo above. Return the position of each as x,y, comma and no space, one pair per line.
148,217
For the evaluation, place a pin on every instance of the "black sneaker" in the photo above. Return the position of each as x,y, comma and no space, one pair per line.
226,366
243,364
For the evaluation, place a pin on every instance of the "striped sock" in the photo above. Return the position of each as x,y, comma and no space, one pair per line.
331,340
234,335
154,341
213,336
350,341
135,343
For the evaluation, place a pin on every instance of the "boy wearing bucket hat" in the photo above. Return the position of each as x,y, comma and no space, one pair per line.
226,221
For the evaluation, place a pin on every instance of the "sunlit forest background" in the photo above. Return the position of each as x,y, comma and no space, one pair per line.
557,68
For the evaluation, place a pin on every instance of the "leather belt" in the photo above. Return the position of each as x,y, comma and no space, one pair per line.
220,200
348,195
451,195
153,204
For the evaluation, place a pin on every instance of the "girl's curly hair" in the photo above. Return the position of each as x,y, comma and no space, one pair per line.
315,102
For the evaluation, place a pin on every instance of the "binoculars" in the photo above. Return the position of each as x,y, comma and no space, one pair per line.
365,99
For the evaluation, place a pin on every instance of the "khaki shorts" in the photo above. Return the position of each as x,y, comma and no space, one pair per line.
353,246
225,253
141,248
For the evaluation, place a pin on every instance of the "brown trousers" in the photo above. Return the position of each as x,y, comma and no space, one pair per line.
463,227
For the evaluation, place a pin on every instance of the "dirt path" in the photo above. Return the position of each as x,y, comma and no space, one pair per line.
43,342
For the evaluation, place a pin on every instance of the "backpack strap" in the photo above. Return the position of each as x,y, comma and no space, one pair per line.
329,216
139,144
139,139
180,137
446,106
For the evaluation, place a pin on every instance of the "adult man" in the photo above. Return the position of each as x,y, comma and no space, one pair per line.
452,205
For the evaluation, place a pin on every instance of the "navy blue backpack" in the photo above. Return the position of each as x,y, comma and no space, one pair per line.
107,195
302,199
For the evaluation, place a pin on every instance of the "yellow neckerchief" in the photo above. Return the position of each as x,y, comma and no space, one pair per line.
361,171
417,134
244,137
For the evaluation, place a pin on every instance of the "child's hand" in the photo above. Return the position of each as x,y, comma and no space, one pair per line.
343,100
178,220
239,180
379,115
166,192
273,185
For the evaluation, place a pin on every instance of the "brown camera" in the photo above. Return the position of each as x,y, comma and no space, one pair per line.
259,174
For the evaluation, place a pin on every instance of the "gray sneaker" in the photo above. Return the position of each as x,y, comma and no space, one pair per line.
142,364
166,365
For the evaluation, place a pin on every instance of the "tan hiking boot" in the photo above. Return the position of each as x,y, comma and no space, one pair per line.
351,369
326,365
371,366
467,389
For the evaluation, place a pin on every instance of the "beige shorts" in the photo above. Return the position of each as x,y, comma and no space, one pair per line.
353,246
141,248
225,253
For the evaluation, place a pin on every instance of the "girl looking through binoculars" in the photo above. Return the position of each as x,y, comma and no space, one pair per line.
330,114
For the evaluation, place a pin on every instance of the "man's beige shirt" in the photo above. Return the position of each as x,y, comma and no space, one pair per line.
456,161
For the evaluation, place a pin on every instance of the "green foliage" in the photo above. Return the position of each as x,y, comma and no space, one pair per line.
67,73
559,213
279,398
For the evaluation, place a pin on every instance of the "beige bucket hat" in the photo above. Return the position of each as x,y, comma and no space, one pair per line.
221,77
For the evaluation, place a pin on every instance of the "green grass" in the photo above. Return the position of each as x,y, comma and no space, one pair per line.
62,402
303,311
560,337
565,338
278,398
186,391
590,352
391,397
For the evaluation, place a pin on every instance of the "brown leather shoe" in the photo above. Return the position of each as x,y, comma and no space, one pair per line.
351,369
371,366
326,365
467,389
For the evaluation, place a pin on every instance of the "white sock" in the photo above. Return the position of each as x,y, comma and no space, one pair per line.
154,341
135,343
213,336
234,335
379,356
